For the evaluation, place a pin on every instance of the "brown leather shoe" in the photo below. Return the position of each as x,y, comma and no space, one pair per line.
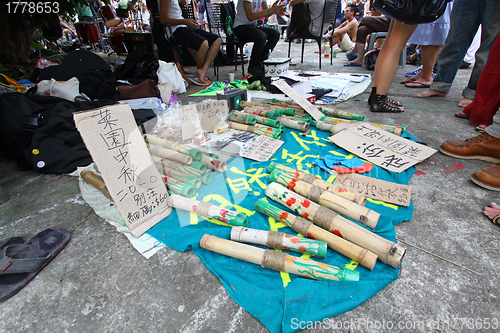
482,147
488,177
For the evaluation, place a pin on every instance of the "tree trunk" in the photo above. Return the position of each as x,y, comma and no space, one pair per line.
15,38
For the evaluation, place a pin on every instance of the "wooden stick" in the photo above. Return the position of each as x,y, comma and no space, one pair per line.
205,177
327,199
308,178
277,261
342,114
208,210
170,154
179,187
153,140
435,255
96,181
280,241
388,252
261,130
171,173
350,250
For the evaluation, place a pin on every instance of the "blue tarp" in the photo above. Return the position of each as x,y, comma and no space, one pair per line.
282,302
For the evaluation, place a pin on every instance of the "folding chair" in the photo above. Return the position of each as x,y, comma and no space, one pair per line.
329,15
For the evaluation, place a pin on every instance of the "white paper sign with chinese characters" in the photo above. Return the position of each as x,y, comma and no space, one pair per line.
375,188
209,110
389,151
119,151
262,148
189,121
299,99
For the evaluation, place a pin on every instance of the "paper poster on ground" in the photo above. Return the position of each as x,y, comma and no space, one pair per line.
389,151
120,153
262,148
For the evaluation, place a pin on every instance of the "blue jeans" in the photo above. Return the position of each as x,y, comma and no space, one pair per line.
465,19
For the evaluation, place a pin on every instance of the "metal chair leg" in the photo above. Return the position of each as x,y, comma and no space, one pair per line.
302,55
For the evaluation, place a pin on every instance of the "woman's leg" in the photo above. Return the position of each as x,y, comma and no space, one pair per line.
429,57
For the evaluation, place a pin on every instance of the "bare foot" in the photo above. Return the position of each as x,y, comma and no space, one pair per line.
322,51
432,93
483,127
201,75
492,211
464,102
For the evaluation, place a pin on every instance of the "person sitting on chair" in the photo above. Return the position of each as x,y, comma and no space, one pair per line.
264,38
345,34
202,45
305,11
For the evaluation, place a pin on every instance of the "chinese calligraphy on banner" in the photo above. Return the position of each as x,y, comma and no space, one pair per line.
389,151
117,148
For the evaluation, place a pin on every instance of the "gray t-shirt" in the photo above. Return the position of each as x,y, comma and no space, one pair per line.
241,16
316,10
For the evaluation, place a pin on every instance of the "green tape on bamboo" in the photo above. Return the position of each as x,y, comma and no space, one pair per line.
279,113
206,178
314,122
271,167
241,220
200,166
274,175
195,182
195,154
289,112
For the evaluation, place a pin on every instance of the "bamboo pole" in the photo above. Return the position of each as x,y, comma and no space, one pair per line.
96,181
177,175
333,201
280,241
277,261
273,114
241,118
350,250
308,178
342,114
208,210
205,177
397,130
153,140
178,187
170,154
388,252
261,130
294,124
214,163
323,126
260,120
246,104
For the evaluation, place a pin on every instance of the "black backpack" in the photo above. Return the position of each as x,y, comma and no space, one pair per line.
300,20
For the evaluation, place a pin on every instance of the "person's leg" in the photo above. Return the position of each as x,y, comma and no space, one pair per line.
464,21
493,213
249,33
273,36
429,57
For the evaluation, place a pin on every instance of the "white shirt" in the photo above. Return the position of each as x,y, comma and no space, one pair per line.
174,12
241,16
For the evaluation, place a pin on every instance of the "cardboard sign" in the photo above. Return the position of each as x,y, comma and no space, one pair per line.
208,111
189,117
377,189
299,99
262,148
119,151
382,148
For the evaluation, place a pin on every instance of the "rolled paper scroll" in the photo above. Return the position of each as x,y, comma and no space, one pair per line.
208,210
171,173
328,199
96,181
342,114
261,130
153,140
241,118
308,178
277,261
170,154
179,187
189,170
279,240
350,250
388,252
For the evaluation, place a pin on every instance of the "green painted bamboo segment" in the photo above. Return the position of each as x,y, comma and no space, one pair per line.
387,251
209,210
335,242
289,112
333,120
261,130
241,118
277,261
333,201
187,169
342,114
200,166
298,125
151,139
262,120
308,178
261,112
179,187
280,241
214,163
300,116
180,176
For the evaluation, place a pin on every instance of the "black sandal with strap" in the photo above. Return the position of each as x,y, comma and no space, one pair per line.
495,220
389,101
380,103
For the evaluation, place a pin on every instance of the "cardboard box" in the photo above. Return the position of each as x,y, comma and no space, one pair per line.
276,66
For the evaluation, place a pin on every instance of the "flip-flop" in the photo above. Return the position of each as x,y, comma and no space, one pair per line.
196,81
10,241
352,64
461,115
20,263
417,84
349,53
405,81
